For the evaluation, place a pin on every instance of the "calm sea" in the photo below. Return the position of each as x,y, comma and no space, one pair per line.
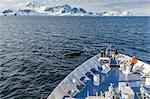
31,48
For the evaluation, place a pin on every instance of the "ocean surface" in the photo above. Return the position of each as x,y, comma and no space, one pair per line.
31,49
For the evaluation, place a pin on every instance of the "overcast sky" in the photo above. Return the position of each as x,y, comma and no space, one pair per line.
139,7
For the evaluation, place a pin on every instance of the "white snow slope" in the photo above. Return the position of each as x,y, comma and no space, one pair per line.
34,9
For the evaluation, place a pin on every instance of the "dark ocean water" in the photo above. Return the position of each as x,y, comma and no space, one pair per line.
31,48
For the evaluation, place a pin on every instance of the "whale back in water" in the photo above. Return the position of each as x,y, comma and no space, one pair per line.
74,53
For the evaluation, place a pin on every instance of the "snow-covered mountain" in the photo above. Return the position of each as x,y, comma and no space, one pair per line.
33,4
64,10
33,10
37,9
114,13
25,12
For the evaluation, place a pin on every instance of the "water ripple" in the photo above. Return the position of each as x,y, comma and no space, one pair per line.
31,48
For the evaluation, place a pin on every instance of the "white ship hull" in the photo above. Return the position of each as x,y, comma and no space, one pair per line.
77,84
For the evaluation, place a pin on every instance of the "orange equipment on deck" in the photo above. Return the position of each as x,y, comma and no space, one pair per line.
133,60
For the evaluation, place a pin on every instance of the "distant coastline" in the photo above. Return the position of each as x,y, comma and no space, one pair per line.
61,10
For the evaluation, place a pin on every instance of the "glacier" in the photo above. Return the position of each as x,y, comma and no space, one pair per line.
34,9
